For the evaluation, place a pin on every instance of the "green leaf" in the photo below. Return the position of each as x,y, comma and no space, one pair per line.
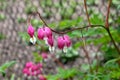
2,36
63,74
85,67
66,73
67,23
21,20
37,57
12,77
2,17
5,66
25,37
111,61
95,19
36,23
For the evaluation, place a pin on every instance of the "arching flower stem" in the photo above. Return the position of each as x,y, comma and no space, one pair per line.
80,28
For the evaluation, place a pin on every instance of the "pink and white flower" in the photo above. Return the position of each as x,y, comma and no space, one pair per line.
45,33
31,31
63,42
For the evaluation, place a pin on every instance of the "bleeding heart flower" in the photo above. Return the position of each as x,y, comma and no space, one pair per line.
30,31
50,42
44,32
63,42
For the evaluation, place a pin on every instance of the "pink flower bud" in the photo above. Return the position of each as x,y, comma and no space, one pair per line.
48,31
40,34
67,40
50,41
30,30
28,64
60,42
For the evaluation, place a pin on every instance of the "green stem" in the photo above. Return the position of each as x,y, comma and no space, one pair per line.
108,30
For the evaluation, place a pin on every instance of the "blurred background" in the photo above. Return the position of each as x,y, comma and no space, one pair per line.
60,15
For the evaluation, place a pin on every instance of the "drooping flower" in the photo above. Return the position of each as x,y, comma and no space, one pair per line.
63,42
31,31
32,69
44,32
50,42
60,42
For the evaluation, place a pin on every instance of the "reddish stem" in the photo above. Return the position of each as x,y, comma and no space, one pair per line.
85,5
80,28
107,15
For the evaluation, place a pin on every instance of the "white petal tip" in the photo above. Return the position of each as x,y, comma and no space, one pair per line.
33,40
65,49
51,49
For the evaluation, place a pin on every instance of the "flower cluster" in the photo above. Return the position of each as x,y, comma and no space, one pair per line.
45,33
32,69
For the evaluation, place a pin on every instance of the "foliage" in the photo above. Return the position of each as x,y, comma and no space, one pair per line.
21,20
37,57
30,8
65,11
63,74
107,69
3,4
6,66
2,17
2,36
